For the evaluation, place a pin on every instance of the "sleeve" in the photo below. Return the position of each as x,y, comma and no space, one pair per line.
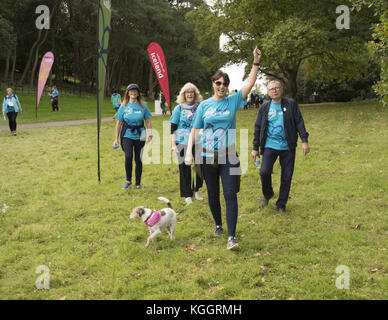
147,113
300,123
198,118
18,102
176,115
174,127
238,100
120,114
4,106
256,135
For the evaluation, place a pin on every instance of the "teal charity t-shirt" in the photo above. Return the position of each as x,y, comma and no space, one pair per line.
217,118
134,115
10,103
276,138
115,100
183,118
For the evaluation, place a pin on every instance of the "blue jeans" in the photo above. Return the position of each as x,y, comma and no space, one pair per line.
287,161
230,183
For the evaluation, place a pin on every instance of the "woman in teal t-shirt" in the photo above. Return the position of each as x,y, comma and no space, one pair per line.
131,116
217,117
181,124
11,108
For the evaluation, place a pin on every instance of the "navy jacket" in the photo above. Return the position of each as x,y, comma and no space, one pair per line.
293,124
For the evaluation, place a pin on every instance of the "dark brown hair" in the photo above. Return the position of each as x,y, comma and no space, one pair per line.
220,74
139,97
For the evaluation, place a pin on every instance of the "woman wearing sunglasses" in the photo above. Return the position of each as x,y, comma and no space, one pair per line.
131,116
217,117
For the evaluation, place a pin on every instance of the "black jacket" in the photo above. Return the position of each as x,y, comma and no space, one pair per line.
293,124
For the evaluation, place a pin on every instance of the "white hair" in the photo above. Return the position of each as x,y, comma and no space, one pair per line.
275,81
181,97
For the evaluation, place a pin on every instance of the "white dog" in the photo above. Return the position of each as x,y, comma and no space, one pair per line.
157,221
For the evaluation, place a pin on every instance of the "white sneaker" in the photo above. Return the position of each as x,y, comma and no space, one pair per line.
198,196
188,200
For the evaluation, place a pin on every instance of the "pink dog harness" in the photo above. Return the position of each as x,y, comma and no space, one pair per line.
153,219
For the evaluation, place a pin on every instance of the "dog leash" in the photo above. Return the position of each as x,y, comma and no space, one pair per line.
183,208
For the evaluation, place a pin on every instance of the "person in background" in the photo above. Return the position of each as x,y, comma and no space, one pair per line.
163,103
131,116
277,126
11,108
54,98
181,121
116,101
217,117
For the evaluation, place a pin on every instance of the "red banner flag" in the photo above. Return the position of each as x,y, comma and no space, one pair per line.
156,56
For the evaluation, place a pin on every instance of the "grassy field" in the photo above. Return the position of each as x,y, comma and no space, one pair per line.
72,107
59,216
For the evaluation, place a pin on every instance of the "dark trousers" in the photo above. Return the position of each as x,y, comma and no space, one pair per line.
12,120
130,147
287,161
229,181
54,104
186,188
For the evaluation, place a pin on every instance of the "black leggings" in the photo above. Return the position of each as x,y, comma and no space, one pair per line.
129,146
186,188
12,120
54,104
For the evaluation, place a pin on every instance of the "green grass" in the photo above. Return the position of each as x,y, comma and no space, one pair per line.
60,216
72,107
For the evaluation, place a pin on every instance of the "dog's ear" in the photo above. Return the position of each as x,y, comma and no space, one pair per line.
137,212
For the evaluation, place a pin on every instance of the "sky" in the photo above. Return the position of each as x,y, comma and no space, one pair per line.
236,71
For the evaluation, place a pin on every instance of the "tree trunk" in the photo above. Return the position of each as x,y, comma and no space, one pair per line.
32,77
13,64
27,67
6,71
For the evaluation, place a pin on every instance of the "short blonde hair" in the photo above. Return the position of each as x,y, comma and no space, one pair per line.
181,97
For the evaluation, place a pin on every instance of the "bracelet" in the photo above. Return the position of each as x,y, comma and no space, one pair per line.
256,63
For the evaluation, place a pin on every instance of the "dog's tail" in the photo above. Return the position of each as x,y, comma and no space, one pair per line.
166,201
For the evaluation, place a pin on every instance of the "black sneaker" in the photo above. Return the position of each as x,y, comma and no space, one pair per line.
126,185
218,231
232,244
282,210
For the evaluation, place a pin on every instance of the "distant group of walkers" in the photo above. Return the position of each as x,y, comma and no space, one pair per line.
203,133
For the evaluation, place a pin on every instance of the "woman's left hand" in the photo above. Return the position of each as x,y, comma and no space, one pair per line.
149,141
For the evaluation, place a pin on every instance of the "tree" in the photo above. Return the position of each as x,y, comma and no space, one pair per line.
291,34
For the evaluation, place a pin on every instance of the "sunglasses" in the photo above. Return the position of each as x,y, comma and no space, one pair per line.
218,83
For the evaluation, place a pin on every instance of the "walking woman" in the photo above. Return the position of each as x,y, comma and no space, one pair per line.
11,108
217,117
54,98
181,124
131,116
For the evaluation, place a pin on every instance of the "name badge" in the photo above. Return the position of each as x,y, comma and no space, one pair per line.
10,104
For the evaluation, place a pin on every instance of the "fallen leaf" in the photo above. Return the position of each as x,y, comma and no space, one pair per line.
267,254
253,223
300,277
190,247
62,298
208,260
257,254
262,279
357,226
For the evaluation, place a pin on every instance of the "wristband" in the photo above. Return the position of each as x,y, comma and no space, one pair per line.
256,63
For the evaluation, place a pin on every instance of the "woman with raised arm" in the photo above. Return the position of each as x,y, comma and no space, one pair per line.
217,117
